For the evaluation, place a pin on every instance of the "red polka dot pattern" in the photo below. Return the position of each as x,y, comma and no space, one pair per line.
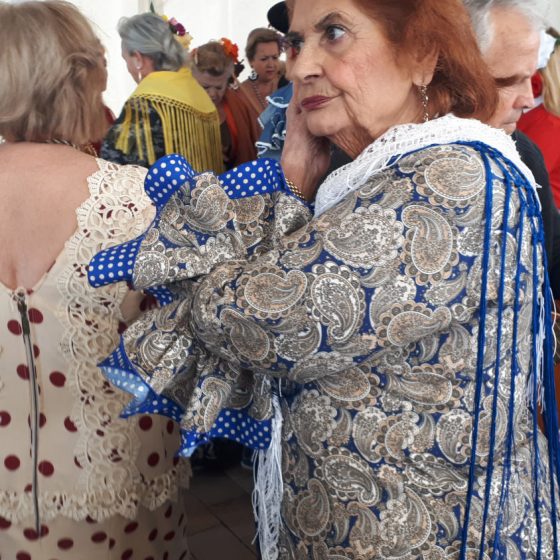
145,423
11,462
131,527
153,535
4,523
5,418
153,459
99,537
65,544
14,327
23,371
31,535
57,379
21,555
69,425
170,426
112,543
168,512
35,316
36,351
46,468
169,536
127,554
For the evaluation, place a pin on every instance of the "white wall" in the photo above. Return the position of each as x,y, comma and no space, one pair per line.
555,14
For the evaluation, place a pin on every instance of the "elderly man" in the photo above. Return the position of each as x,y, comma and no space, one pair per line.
508,33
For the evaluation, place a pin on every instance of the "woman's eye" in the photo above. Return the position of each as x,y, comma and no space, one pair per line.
293,47
334,32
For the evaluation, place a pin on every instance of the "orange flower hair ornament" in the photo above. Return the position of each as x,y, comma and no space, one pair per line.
231,49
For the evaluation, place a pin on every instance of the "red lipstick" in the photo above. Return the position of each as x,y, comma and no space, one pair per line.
314,102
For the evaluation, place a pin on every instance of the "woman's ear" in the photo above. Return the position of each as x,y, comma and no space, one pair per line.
424,67
137,60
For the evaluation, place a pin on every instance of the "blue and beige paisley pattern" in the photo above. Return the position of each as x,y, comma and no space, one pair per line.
367,324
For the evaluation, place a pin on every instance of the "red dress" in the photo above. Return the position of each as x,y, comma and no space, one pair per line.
544,129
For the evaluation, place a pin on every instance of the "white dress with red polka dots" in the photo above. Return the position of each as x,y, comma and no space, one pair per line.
76,481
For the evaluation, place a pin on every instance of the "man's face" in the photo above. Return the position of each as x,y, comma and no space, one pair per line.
512,59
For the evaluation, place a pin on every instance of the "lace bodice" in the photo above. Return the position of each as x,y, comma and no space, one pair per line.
90,462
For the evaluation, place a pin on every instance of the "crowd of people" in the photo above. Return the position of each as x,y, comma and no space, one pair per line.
369,310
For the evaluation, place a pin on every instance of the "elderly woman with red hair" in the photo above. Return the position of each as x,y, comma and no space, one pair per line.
386,345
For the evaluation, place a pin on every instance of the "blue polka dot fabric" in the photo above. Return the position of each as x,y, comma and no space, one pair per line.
233,424
169,176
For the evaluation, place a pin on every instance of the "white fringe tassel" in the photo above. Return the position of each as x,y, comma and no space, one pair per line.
539,366
267,494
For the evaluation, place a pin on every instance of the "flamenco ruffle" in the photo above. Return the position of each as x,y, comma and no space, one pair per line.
202,221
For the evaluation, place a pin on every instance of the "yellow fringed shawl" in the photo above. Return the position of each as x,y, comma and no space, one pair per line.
191,126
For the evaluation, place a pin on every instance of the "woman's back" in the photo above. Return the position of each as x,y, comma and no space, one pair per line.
66,455
42,185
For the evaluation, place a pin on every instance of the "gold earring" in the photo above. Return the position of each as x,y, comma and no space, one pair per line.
423,90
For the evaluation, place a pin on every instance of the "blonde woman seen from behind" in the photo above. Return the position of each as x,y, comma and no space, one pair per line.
76,480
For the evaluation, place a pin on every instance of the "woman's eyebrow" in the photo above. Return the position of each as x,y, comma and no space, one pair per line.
327,20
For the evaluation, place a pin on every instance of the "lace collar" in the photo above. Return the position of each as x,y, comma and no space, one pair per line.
403,139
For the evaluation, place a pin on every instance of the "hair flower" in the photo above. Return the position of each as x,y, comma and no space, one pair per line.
231,49
178,29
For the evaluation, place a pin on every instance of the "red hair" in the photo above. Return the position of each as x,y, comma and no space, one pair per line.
461,83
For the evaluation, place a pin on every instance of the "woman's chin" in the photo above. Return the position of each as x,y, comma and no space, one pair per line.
319,127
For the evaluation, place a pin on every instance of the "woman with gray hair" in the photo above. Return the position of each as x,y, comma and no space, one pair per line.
168,112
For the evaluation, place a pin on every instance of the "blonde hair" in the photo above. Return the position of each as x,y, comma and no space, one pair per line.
53,74
551,83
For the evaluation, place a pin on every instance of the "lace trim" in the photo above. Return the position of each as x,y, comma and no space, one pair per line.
98,505
116,211
403,139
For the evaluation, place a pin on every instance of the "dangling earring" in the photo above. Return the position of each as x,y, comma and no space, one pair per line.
253,76
423,89
138,74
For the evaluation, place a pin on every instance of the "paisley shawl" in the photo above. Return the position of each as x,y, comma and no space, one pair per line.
403,335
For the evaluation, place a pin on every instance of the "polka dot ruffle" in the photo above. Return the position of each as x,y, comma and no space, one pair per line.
167,177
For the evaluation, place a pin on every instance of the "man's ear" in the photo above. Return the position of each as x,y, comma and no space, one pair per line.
424,67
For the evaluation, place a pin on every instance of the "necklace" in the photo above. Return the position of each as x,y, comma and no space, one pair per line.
85,148
262,102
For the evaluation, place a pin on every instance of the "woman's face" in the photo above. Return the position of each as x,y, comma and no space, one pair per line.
215,86
348,82
266,63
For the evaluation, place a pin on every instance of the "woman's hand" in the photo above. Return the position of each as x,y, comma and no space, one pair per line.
305,158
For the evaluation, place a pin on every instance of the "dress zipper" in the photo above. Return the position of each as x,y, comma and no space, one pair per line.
34,416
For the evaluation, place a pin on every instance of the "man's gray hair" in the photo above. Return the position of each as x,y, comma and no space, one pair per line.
479,11
151,36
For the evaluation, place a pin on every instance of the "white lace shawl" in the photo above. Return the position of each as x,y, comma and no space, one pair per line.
402,139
